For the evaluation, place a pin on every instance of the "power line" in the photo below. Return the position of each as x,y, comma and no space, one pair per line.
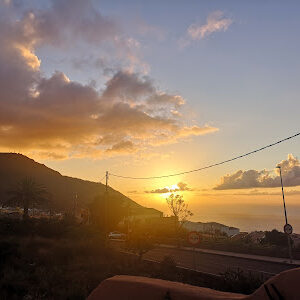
212,165
102,178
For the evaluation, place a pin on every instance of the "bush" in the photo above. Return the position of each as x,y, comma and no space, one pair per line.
168,267
70,263
238,281
139,243
275,237
7,250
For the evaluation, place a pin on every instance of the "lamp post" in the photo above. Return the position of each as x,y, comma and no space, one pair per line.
288,229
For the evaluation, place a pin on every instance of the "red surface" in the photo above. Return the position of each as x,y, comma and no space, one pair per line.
137,288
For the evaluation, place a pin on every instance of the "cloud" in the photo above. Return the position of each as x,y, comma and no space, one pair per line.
133,192
263,193
159,191
264,178
69,21
196,130
67,25
248,193
143,29
128,86
179,187
123,146
215,22
183,186
59,118
165,99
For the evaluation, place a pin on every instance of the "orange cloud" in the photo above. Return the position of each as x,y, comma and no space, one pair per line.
180,187
58,118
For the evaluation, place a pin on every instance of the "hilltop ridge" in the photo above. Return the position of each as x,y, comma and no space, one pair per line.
14,167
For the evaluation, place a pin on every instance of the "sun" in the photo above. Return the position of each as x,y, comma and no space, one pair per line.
174,187
171,189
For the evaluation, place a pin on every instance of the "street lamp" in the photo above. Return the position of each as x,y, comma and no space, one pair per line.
288,229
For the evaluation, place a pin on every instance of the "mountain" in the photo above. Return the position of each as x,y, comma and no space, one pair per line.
63,189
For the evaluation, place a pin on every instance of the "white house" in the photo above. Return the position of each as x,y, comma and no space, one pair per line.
210,227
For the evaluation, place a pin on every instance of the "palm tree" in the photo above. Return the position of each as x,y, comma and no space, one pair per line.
27,193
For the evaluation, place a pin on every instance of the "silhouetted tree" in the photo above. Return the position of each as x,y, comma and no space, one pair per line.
139,243
179,210
275,237
27,193
107,211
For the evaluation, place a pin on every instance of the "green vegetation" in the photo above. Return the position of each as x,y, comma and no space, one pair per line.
240,282
107,211
179,209
27,193
275,237
271,245
139,243
52,259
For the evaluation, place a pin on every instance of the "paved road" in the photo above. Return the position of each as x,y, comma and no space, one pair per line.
215,263
241,255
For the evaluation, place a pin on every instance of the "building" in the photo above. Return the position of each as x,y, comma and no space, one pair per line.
141,215
210,227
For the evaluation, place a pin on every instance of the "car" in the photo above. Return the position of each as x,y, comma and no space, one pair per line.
115,235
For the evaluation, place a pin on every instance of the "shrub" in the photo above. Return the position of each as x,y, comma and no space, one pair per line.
168,267
139,243
240,282
275,237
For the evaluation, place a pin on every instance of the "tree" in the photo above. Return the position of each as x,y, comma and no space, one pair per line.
27,193
179,209
275,237
107,211
139,243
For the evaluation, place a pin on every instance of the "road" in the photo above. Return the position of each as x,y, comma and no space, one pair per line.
215,263
242,255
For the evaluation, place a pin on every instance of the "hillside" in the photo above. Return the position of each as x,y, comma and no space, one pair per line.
14,167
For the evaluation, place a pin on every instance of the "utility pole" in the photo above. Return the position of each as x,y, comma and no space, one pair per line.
106,180
106,204
75,204
128,213
287,227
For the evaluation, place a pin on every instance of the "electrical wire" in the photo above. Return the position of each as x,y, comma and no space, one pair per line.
102,178
212,165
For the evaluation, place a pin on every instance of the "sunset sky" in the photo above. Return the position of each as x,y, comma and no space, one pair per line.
149,88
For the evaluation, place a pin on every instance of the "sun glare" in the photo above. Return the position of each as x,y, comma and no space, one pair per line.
174,187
